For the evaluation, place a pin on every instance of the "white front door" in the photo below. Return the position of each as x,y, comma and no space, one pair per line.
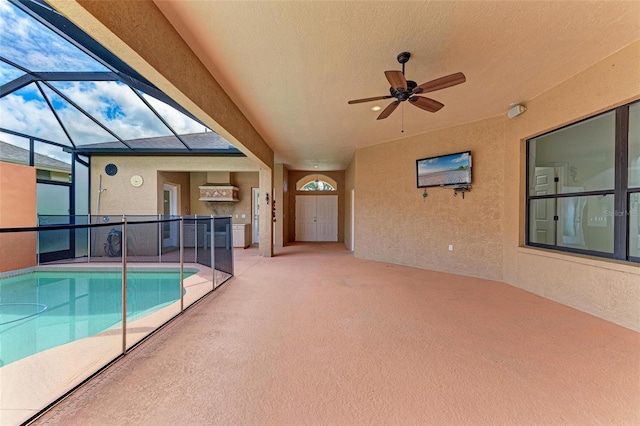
255,211
316,218
306,218
327,215
545,210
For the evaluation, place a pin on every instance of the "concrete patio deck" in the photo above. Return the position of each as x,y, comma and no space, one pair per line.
316,336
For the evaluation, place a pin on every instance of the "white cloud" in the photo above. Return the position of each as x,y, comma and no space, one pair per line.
35,47
180,123
8,73
461,158
113,104
31,117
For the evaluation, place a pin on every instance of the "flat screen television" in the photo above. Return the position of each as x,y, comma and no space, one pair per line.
444,170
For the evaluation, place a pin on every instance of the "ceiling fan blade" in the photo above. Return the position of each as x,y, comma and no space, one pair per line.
388,110
376,98
426,104
441,83
396,79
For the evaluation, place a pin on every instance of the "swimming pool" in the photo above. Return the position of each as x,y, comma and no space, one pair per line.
45,309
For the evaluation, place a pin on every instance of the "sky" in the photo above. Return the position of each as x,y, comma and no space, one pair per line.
31,45
446,162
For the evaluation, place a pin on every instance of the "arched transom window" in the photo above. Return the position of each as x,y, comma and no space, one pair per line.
318,185
316,182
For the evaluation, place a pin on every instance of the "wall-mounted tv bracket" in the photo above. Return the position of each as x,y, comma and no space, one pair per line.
462,189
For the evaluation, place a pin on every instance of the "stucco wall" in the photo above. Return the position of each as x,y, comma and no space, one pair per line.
395,223
121,197
17,210
245,181
181,180
295,176
605,288
278,196
198,207
265,245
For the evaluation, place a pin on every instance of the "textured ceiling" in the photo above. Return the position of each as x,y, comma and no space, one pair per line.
292,66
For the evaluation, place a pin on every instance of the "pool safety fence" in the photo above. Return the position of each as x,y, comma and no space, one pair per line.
79,292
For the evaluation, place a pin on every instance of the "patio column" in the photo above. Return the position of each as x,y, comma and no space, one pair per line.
279,194
265,247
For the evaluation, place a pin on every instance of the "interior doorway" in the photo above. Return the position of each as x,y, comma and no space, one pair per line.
170,208
316,218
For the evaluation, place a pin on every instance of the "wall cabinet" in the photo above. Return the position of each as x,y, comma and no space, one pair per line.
241,235
194,235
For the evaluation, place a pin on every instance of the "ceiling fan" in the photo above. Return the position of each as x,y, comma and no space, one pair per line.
403,89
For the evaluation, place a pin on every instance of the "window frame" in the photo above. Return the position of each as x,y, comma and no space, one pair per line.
621,191
316,182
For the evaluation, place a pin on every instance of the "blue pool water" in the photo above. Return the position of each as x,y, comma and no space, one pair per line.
42,310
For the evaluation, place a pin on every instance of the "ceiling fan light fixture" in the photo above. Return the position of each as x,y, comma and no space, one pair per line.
376,108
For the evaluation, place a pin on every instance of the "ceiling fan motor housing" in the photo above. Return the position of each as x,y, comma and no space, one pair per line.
403,95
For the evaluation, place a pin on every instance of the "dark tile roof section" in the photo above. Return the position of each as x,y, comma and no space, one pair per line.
206,140
14,154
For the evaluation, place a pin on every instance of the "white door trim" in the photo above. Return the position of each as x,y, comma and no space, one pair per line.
172,239
353,219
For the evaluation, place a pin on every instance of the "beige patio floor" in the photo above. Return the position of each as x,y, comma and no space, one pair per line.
316,336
